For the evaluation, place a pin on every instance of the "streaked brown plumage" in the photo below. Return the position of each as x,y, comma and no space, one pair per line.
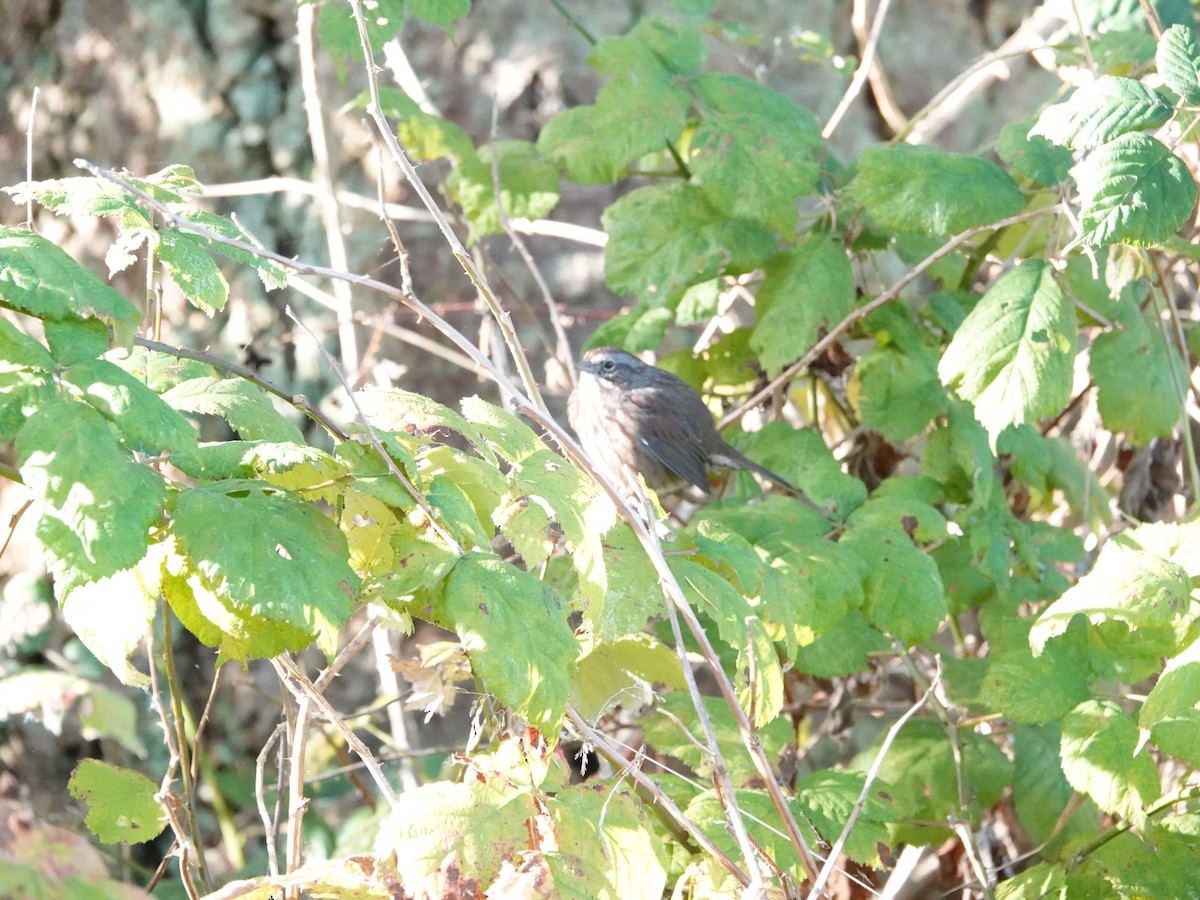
635,418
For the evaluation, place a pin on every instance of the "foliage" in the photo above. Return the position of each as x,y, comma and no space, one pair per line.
989,549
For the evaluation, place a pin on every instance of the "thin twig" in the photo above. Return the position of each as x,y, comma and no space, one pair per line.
165,797
387,290
269,829
181,751
299,685
13,522
563,346
29,155
567,231
721,776
501,317
204,716
335,240
861,73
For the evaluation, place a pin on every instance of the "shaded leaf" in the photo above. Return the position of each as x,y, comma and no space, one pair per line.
755,150
643,257
1137,376
806,291
921,189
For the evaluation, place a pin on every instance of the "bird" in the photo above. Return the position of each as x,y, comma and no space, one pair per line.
634,418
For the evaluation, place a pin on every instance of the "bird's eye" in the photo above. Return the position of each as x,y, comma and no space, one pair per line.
608,366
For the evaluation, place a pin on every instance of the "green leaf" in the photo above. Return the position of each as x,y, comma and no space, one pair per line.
755,150
1137,376
1037,689
622,673
595,144
712,596
636,114
424,136
1179,62
1100,111
610,831
760,676
800,456
1133,190
1041,793
642,328
402,412
271,275
626,591
655,47
245,407
920,189
98,504
806,291
645,257
923,772
1013,357
1171,713
443,13
827,798
187,258
841,650
528,186
113,615
38,278
903,592
339,32
18,351
121,803
892,510
254,558
75,340
1100,759
294,467
495,607
77,196
1155,862
541,506
145,421
1138,606
1032,155
476,825
899,394
509,436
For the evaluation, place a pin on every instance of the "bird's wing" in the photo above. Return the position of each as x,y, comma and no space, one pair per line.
666,439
